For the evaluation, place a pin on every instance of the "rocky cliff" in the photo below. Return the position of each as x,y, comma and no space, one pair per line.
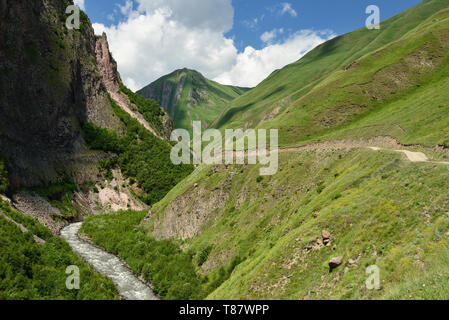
112,80
49,86
52,80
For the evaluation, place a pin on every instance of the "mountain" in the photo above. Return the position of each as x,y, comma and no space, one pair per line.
360,193
356,84
74,141
62,99
362,179
188,96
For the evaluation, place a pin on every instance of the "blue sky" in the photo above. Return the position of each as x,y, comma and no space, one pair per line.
339,16
261,32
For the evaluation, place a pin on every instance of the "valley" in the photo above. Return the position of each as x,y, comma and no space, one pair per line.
87,177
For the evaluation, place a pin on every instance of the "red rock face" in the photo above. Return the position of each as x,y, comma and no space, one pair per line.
107,65
111,78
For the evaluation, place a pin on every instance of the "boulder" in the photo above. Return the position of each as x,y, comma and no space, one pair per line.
335,262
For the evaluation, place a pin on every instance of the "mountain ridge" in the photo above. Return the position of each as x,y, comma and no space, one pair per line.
283,94
346,189
188,96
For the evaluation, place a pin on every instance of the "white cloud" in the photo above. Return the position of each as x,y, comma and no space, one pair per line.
80,3
158,37
127,8
252,66
270,36
287,8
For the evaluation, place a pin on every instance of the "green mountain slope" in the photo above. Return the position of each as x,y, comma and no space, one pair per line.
379,208
188,96
350,85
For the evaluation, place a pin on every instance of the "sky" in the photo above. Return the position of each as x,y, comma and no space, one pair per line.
235,42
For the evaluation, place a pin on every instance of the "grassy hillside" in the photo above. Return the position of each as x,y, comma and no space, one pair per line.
379,208
367,82
33,271
262,237
188,96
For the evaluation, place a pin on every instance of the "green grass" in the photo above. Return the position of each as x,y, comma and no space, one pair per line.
371,202
394,69
29,271
200,100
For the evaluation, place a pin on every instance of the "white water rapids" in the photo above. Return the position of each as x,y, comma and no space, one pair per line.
129,286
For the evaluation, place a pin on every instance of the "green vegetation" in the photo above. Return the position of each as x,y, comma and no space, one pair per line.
148,108
28,222
171,271
141,156
366,83
379,208
200,99
32,271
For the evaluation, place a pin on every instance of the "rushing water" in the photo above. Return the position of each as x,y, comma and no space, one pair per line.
129,286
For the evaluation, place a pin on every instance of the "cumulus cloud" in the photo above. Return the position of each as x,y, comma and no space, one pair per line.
160,36
252,66
80,3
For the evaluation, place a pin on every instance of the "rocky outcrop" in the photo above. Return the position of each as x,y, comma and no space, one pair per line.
335,262
186,216
49,86
113,196
33,205
111,78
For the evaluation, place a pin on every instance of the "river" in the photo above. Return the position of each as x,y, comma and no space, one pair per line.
129,286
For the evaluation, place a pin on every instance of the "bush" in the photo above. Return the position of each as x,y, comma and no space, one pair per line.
32,271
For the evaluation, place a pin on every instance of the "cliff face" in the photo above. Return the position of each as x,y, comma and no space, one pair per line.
112,80
49,85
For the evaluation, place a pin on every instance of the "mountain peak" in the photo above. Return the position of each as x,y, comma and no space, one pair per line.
189,96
